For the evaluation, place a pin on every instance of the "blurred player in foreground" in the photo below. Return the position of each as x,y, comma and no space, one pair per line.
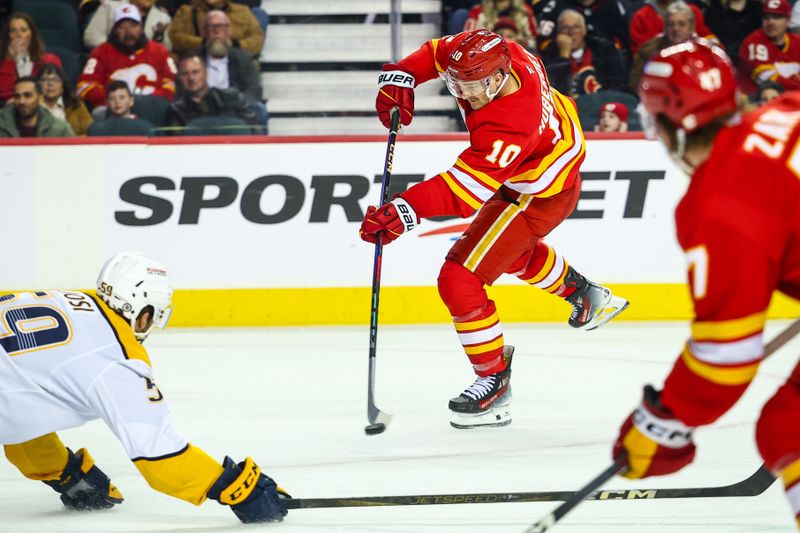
70,357
521,172
739,225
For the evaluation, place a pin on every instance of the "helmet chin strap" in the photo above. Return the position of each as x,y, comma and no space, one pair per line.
679,153
490,95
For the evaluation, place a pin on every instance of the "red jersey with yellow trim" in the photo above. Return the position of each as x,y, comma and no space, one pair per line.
761,59
739,225
149,70
530,140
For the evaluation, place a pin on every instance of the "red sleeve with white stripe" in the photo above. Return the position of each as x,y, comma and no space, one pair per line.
732,278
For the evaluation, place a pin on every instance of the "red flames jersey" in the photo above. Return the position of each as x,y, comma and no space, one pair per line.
530,140
739,225
761,59
646,23
150,70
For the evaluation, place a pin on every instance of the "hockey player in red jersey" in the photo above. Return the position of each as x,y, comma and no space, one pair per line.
128,55
68,357
739,227
521,171
772,52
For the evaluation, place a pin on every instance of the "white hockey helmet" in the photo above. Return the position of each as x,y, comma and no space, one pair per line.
129,283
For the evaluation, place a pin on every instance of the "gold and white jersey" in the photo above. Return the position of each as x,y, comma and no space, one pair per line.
66,358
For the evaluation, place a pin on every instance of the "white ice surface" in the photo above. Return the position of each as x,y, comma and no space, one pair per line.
294,399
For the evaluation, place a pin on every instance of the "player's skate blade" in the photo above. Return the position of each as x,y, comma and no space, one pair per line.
614,306
499,414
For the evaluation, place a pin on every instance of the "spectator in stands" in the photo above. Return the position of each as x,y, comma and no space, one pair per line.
768,91
186,28
732,21
199,100
507,28
489,12
613,117
771,53
59,98
648,22
119,100
155,19
678,27
24,117
228,66
130,56
22,52
580,64
604,18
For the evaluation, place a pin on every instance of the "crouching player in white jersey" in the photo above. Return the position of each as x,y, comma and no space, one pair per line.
70,357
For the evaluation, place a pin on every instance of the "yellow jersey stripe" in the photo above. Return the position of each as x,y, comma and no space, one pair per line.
562,146
481,177
560,281
477,324
738,375
491,236
435,45
558,184
187,474
546,268
791,474
131,348
723,330
460,192
483,348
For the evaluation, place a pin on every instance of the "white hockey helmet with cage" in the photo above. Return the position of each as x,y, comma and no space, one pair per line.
130,283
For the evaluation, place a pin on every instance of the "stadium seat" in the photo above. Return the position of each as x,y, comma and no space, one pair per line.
57,22
70,61
589,107
120,127
151,108
218,126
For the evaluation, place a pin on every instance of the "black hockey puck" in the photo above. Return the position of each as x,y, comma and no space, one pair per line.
375,429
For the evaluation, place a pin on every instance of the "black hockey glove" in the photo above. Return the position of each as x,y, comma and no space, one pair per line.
253,496
83,486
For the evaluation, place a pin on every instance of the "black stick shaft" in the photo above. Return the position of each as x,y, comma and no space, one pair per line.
373,412
618,466
573,501
754,485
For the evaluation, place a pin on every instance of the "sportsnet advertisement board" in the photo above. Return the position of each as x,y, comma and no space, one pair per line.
257,232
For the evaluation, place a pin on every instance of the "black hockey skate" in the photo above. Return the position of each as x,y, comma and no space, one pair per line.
487,402
592,305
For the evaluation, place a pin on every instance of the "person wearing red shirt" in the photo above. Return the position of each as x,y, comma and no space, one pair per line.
520,172
648,22
771,52
130,56
739,226
22,53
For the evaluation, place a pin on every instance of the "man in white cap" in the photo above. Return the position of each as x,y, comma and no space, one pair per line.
155,20
128,55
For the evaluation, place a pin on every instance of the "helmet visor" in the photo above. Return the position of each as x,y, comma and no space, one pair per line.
466,89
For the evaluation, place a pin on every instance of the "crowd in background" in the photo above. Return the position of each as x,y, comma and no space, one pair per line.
595,50
131,67
108,67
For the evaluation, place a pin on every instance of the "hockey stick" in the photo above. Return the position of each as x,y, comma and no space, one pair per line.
752,486
619,465
378,420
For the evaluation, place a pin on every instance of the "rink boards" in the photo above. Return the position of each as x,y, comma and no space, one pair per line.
265,232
